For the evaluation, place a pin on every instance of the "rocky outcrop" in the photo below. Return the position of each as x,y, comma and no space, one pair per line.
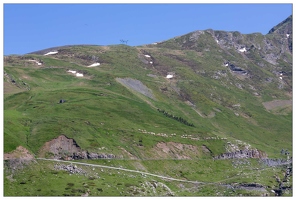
65,148
246,186
236,69
246,153
285,27
251,186
60,147
72,169
270,47
90,155
98,156
275,162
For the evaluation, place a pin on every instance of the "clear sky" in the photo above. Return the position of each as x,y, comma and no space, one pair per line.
32,27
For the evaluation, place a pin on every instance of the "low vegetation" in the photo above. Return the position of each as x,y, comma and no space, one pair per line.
205,110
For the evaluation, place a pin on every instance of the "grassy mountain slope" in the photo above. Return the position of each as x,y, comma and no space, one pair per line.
221,84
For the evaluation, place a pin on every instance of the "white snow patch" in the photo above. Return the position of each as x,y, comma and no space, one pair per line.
169,76
281,77
94,65
243,49
226,65
38,63
51,53
154,43
151,62
76,73
79,75
217,41
72,71
147,56
288,35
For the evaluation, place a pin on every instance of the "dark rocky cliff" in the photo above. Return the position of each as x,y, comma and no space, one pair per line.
285,27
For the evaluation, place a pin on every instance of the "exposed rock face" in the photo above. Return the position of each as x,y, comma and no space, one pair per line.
275,162
19,153
285,27
270,47
97,156
246,153
175,150
79,155
227,40
236,69
60,146
67,149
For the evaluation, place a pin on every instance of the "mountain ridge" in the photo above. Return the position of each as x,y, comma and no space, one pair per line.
284,27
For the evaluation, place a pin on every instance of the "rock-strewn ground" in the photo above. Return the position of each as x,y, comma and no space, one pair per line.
270,105
67,149
136,85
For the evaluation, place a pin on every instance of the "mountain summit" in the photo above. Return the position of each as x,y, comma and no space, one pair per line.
285,27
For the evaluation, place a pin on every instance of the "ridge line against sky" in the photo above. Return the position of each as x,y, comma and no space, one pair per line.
30,27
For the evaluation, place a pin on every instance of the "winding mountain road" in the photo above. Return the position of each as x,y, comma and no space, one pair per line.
156,175
122,169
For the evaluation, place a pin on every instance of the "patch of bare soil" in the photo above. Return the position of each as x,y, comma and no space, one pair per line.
127,154
248,118
210,115
19,153
175,150
270,105
107,48
205,149
60,146
10,88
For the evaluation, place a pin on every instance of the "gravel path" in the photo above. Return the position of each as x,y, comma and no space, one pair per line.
122,169
164,177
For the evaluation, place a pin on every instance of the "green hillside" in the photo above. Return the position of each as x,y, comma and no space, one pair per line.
225,97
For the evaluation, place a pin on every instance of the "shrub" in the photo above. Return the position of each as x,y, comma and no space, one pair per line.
128,184
70,184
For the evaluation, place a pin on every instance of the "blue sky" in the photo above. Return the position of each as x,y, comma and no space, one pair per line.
32,27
